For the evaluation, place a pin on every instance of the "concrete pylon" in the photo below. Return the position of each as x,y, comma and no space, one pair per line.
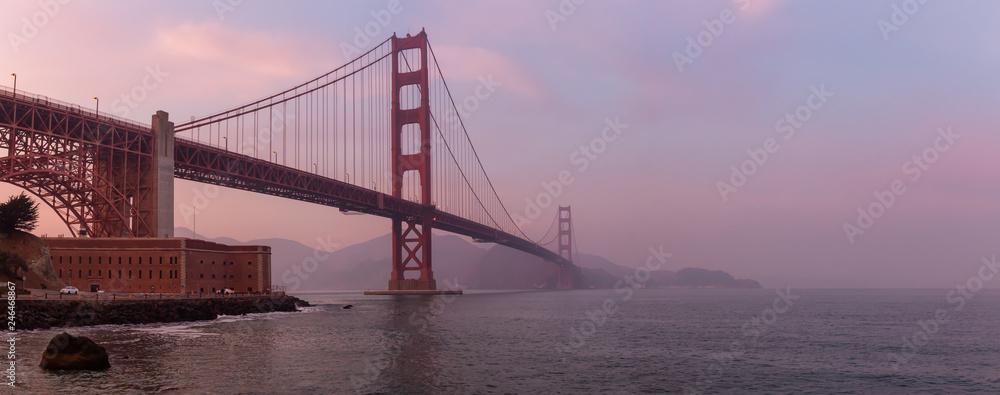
162,196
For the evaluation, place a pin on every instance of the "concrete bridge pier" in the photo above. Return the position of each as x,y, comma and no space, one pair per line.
161,205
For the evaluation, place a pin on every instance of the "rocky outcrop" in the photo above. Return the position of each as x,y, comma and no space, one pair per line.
67,352
27,255
41,314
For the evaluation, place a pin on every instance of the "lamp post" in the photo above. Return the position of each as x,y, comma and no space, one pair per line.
275,154
98,109
10,146
227,142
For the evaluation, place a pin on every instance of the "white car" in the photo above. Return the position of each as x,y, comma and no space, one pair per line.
69,290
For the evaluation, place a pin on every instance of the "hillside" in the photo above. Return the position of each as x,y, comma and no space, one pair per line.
24,254
456,261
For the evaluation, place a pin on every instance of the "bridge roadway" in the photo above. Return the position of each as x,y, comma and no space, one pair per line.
55,121
211,165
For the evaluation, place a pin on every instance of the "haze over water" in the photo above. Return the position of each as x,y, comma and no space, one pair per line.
658,341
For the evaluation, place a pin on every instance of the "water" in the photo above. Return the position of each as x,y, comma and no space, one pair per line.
827,341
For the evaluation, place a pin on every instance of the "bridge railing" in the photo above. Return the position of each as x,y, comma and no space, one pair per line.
72,108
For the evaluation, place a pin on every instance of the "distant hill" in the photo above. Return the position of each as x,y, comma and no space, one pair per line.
456,261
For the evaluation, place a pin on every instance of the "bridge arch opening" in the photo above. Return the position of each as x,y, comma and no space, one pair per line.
410,139
409,59
50,221
67,189
409,97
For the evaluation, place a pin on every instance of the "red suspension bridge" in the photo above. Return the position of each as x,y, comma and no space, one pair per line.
380,135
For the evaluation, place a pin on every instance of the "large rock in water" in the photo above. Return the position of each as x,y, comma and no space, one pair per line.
74,353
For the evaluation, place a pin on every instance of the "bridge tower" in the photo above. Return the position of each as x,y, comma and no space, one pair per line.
144,183
411,235
565,235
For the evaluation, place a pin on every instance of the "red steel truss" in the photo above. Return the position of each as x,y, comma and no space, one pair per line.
212,165
93,171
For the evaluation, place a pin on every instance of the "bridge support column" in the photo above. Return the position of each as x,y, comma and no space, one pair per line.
411,247
161,207
567,271
411,251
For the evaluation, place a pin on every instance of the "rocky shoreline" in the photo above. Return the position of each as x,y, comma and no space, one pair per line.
43,314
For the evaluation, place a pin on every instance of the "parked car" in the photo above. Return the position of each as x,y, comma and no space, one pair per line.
69,290
228,291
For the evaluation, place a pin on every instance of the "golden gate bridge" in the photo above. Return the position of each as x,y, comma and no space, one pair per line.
380,135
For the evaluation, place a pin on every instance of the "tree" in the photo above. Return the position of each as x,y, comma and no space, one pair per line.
20,213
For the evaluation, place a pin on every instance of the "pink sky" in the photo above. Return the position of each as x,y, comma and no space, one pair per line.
655,184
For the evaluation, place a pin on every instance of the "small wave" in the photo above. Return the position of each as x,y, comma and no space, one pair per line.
186,330
310,309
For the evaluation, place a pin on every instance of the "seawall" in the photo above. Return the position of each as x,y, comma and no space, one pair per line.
42,314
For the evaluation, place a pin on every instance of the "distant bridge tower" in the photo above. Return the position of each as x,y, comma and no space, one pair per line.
565,235
411,247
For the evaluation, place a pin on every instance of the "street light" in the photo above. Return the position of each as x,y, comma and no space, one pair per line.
10,147
227,143
98,109
275,156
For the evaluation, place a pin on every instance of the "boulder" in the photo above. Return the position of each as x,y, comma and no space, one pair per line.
67,352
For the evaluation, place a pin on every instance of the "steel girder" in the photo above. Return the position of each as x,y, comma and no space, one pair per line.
89,169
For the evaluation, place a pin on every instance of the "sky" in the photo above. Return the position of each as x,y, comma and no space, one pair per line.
748,133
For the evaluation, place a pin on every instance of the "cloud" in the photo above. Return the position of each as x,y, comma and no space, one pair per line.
462,63
758,8
222,61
